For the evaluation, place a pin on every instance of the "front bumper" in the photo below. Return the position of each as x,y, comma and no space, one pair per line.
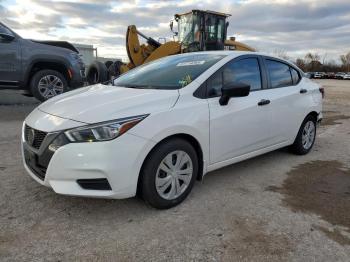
117,161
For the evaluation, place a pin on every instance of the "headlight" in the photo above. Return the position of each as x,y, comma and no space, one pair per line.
59,141
103,131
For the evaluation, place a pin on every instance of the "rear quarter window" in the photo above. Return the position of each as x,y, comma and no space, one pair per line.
279,74
295,76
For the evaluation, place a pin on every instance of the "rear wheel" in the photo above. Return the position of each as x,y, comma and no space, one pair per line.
48,83
306,136
169,174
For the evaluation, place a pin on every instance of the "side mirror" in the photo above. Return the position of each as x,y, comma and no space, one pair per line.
7,37
234,89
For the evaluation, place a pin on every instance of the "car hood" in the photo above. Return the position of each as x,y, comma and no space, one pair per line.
61,44
100,103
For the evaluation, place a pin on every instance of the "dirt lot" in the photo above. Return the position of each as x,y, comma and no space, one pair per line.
276,207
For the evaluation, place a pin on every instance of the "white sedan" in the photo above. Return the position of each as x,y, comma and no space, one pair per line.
165,124
346,77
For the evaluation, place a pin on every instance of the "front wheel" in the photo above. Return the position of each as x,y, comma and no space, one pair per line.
169,174
47,83
306,136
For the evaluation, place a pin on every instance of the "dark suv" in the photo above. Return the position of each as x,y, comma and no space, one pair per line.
42,68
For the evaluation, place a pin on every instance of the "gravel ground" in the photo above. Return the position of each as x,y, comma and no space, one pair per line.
276,207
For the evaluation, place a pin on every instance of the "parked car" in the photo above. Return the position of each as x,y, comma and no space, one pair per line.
169,122
339,75
325,75
331,75
318,75
42,68
309,75
346,77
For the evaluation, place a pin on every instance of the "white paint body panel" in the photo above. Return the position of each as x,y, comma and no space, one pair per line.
226,134
100,103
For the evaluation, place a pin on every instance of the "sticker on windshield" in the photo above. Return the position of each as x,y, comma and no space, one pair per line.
191,63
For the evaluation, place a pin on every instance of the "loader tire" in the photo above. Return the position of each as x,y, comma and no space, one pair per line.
114,69
108,63
97,73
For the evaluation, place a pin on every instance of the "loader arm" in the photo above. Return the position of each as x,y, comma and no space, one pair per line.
142,53
137,52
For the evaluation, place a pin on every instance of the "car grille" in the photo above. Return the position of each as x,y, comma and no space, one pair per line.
34,137
31,160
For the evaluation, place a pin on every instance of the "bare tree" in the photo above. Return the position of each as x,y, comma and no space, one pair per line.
313,61
345,59
301,64
324,58
281,54
310,57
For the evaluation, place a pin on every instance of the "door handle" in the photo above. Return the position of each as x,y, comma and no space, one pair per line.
303,91
264,102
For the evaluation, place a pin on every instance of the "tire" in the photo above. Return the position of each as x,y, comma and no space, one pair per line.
47,83
152,173
97,73
108,63
303,146
114,69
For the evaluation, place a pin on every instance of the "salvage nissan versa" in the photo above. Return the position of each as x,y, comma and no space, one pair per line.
163,125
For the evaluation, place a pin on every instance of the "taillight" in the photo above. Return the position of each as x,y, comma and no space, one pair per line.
322,91
70,73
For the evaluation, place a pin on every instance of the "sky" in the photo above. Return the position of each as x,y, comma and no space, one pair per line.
272,26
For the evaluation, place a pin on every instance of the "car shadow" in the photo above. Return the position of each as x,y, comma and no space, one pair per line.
125,209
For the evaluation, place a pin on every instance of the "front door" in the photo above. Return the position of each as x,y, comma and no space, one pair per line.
243,125
10,58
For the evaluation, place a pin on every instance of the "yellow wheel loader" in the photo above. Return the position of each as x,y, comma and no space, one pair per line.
198,30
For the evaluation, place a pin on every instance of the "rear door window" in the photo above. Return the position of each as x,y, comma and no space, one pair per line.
279,74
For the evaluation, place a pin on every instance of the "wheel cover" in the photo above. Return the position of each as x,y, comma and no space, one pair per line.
50,86
174,175
308,135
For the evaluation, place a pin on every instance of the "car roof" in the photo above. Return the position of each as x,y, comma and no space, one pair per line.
231,53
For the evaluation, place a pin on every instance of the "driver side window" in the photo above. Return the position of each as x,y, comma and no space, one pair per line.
245,71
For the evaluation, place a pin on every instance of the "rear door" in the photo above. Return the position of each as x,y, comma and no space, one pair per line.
10,59
286,96
241,126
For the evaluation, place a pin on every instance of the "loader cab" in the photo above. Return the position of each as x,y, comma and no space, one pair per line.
201,30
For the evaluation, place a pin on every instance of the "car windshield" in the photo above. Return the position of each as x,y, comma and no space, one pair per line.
5,30
172,72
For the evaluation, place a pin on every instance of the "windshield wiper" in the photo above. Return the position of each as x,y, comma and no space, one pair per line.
137,86
149,87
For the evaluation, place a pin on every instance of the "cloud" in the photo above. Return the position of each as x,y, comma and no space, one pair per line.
294,26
